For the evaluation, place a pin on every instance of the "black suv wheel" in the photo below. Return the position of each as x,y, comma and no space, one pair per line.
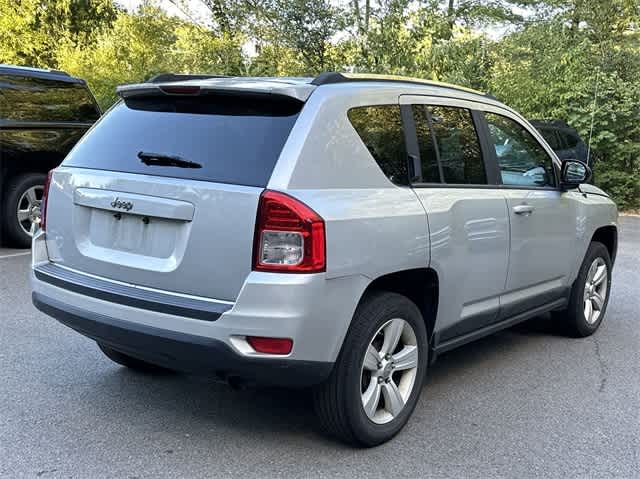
23,194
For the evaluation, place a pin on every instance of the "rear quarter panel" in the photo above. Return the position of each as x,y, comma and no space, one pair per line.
373,226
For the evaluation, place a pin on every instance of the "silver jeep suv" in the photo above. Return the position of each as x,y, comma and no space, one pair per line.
337,233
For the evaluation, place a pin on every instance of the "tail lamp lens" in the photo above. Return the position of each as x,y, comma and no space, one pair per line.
43,203
290,236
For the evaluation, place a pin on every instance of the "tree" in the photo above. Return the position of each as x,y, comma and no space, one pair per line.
553,70
146,43
300,28
31,31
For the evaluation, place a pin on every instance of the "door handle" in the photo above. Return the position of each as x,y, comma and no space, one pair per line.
524,210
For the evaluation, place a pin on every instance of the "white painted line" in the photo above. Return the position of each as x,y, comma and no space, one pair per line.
13,255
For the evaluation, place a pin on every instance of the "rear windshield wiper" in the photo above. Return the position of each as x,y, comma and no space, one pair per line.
158,159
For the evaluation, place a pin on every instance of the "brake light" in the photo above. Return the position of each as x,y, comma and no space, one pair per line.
289,236
43,203
270,345
180,89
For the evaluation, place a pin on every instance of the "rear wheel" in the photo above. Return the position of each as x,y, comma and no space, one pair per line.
23,195
589,294
129,361
377,379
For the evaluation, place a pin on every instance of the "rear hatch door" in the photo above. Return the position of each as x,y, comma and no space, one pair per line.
163,191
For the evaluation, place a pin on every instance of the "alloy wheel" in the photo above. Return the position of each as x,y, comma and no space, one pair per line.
29,207
595,290
389,370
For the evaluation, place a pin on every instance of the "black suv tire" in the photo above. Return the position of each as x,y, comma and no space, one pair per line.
16,188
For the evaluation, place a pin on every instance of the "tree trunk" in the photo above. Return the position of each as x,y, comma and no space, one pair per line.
356,13
367,13
451,18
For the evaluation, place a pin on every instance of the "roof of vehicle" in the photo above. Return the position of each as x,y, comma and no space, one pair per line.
45,74
295,87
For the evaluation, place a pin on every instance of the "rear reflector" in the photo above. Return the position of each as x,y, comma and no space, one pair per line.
289,237
270,345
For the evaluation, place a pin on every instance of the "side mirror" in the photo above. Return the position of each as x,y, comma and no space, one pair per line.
574,173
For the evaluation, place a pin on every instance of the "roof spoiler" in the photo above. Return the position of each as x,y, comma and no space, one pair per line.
193,85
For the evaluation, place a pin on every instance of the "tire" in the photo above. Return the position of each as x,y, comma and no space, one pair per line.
130,362
15,198
575,319
339,401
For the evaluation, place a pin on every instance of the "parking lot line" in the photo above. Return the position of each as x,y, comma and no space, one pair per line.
13,255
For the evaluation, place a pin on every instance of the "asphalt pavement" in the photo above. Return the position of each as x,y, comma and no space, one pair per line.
526,402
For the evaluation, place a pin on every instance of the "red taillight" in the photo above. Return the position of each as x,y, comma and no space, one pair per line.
289,237
270,345
43,203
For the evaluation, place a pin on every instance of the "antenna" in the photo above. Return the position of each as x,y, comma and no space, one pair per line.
593,115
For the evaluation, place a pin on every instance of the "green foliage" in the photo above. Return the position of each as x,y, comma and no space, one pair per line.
146,43
31,31
553,63
551,70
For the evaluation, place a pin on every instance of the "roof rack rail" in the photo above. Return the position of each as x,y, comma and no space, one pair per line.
170,77
328,78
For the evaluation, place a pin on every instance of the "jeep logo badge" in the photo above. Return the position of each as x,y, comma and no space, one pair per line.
123,205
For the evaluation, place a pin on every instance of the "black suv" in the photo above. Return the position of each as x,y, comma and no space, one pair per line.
43,113
564,140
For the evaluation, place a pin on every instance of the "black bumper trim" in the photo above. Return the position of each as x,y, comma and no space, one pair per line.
183,352
129,295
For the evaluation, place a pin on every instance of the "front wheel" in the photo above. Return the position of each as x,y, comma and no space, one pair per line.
378,376
589,294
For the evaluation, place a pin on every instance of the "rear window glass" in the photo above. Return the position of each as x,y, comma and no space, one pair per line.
234,139
458,145
380,129
36,99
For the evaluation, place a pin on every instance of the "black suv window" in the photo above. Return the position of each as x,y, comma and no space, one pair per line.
571,140
380,129
522,160
552,137
36,99
234,139
449,147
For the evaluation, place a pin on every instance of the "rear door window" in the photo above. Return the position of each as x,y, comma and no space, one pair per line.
449,147
380,129
234,139
427,145
37,99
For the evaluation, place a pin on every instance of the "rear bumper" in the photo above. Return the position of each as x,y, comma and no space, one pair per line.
182,351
